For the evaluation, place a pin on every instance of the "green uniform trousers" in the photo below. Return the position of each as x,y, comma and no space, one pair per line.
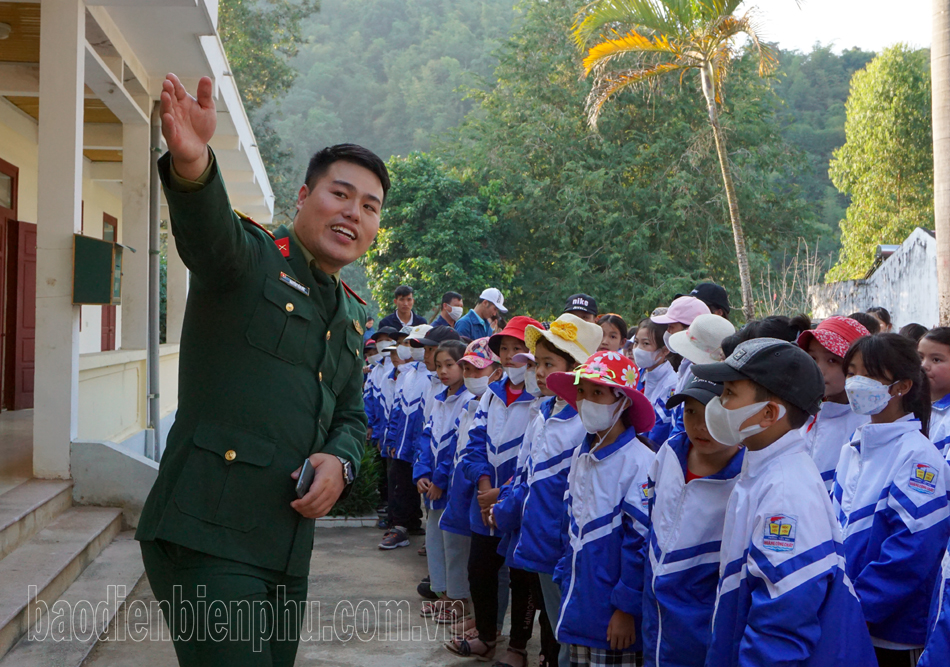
222,612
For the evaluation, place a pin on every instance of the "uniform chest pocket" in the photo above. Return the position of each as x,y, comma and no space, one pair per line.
281,322
349,359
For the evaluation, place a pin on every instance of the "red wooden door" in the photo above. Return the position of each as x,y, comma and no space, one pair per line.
109,224
24,361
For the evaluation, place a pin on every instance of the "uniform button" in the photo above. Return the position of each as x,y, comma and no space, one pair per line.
328,335
230,455
320,375
289,307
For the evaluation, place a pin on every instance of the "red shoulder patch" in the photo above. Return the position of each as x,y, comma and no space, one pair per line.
253,222
349,290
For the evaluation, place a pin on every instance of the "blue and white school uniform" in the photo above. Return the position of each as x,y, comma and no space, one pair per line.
682,571
658,385
784,597
494,442
827,432
405,418
386,397
939,428
607,523
455,518
937,651
683,377
890,495
437,450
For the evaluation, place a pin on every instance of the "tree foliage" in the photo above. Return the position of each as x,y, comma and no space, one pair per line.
886,164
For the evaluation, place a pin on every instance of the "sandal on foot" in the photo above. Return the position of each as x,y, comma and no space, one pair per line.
463,648
518,651
446,616
431,608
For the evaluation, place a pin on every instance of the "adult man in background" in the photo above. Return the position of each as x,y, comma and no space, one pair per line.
712,295
450,312
270,375
476,323
403,316
583,306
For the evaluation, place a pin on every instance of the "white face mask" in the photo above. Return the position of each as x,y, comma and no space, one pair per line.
418,353
516,374
456,313
531,383
375,358
404,352
477,386
644,359
866,395
666,340
725,425
597,417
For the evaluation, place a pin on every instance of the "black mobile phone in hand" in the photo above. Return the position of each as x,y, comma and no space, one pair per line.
305,479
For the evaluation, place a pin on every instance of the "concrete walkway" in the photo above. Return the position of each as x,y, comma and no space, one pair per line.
353,586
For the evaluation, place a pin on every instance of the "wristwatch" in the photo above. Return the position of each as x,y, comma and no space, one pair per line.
348,475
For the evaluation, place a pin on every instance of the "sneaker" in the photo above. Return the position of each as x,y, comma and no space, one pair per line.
383,524
394,539
426,592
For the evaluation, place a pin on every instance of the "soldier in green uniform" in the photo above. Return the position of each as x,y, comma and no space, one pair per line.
270,375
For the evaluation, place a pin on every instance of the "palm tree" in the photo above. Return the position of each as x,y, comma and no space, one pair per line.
650,39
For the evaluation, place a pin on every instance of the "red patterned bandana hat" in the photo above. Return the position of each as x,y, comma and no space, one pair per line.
608,369
836,334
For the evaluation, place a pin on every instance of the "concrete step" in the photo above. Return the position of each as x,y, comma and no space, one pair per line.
27,508
104,586
40,570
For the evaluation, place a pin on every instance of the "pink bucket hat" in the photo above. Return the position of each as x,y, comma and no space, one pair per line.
479,355
836,334
609,369
683,310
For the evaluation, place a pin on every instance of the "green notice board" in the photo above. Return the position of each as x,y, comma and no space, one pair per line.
97,271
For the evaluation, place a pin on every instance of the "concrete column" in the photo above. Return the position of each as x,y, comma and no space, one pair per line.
135,193
56,385
176,292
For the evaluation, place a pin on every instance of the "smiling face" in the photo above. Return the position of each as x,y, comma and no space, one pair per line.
338,217
936,364
831,370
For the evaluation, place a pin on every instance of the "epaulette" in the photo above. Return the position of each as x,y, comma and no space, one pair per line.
261,227
349,290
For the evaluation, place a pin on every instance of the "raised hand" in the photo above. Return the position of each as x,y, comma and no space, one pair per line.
188,124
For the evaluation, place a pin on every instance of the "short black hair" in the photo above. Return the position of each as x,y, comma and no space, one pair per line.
616,321
403,290
880,313
773,326
796,416
454,348
916,331
449,297
869,321
363,157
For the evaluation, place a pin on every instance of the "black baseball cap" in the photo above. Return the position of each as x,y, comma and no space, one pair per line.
386,331
712,295
436,336
702,390
782,368
581,302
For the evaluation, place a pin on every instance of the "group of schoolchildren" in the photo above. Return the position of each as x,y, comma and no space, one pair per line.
675,494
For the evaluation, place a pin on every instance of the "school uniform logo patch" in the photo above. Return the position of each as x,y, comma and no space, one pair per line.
923,479
780,532
645,494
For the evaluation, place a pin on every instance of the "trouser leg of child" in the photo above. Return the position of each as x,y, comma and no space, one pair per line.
435,552
382,484
403,496
585,656
483,564
523,607
457,548
891,658
503,595
550,648
552,603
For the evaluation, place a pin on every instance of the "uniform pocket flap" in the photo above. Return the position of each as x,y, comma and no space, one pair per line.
235,445
288,299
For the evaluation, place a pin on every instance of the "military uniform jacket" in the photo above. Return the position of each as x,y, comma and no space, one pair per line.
270,373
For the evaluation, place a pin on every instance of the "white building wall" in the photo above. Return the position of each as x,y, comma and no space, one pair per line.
905,284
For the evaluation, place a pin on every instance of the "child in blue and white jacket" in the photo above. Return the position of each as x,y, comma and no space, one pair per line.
658,378
890,494
937,651
783,596
934,349
692,479
607,506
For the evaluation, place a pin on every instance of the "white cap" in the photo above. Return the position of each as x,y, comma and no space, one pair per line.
701,343
385,345
419,332
493,296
